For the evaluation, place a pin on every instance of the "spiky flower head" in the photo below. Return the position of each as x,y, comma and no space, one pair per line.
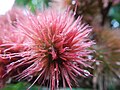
58,49
11,41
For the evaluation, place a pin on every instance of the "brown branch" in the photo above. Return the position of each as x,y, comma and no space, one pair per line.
104,11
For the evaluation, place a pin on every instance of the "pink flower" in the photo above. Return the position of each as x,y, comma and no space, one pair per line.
58,49
12,42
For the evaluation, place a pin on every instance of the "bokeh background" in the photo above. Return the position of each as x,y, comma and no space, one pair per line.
104,17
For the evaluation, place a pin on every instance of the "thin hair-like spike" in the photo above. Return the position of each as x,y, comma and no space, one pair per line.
34,82
75,9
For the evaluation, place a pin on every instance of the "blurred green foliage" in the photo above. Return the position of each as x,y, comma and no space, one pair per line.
19,86
114,12
33,4
24,86
22,2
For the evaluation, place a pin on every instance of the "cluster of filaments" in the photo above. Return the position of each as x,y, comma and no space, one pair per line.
56,49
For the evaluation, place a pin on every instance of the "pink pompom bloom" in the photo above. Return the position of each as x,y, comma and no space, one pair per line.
12,42
11,46
11,39
58,49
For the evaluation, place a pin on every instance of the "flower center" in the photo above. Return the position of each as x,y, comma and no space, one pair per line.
52,53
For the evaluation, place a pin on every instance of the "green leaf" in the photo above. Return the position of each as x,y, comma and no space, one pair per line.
114,12
34,4
19,86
